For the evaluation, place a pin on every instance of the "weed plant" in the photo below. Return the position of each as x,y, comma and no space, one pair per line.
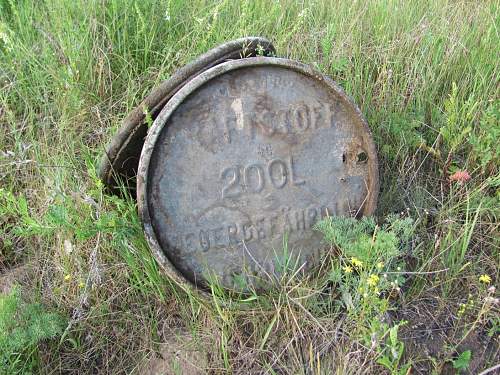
23,326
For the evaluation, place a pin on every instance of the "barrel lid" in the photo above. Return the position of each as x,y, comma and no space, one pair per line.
121,158
242,162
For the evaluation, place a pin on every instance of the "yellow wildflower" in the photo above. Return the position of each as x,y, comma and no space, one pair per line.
347,269
356,262
380,265
372,280
81,284
67,277
486,279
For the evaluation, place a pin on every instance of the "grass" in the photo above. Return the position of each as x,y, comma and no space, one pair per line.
424,73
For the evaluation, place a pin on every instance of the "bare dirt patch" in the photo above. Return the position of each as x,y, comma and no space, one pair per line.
179,354
12,276
434,336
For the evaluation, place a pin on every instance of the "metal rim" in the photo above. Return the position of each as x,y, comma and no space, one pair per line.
134,129
158,125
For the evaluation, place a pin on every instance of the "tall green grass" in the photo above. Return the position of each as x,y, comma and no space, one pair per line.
424,73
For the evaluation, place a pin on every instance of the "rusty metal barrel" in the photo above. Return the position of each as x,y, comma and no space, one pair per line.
120,160
240,164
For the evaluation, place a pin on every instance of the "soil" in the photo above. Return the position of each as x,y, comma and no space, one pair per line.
433,332
178,355
12,276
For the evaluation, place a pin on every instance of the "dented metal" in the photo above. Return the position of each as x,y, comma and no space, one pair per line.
242,162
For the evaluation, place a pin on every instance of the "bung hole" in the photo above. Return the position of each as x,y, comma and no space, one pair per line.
362,157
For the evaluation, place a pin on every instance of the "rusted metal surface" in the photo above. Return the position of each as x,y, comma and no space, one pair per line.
121,158
246,155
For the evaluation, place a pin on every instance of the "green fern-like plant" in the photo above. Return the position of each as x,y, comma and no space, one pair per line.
22,327
365,240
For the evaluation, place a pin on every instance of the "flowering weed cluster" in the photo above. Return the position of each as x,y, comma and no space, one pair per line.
368,272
